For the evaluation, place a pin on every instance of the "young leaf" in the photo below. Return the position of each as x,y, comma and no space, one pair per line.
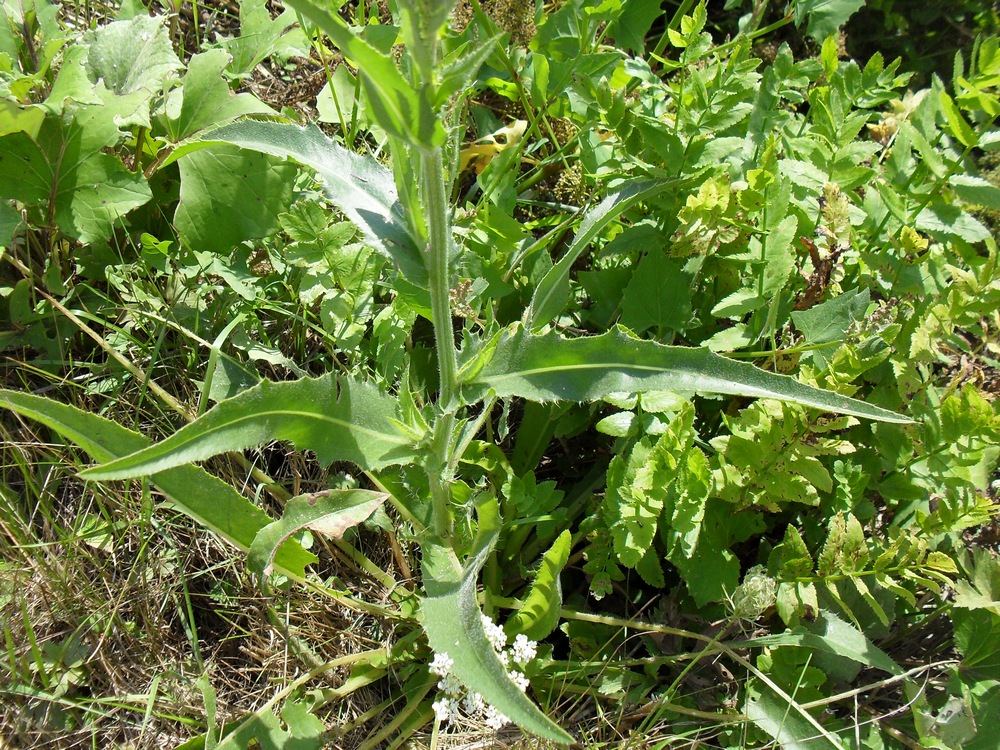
551,368
209,501
396,106
338,418
539,615
359,186
846,550
454,626
330,512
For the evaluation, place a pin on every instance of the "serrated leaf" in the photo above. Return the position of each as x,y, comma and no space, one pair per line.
359,186
205,100
552,368
132,55
209,501
539,614
982,591
846,550
791,558
712,571
691,493
338,418
796,602
262,729
453,622
976,190
977,638
957,124
830,320
942,220
630,28
330,512
825,16
261,37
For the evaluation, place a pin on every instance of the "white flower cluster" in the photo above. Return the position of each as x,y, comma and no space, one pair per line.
456,701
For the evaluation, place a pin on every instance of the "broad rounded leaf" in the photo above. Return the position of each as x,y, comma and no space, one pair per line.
132,55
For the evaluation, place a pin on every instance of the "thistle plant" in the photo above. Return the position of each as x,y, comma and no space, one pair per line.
403,212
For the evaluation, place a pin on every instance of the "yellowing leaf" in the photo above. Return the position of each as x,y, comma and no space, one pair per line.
483,151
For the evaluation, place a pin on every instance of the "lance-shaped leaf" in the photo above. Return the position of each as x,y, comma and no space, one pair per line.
454,626
829,634
539,615
552,291
553,368
396,106
209,501
358,185
338,418
330,512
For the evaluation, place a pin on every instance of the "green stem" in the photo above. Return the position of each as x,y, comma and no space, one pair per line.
438,250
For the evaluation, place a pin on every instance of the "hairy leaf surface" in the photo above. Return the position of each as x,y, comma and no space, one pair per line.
539,615
454,626
552,368
358,185
338,418
397,107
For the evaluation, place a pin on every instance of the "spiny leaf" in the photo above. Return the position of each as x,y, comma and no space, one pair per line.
209,501
553,368
338,418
